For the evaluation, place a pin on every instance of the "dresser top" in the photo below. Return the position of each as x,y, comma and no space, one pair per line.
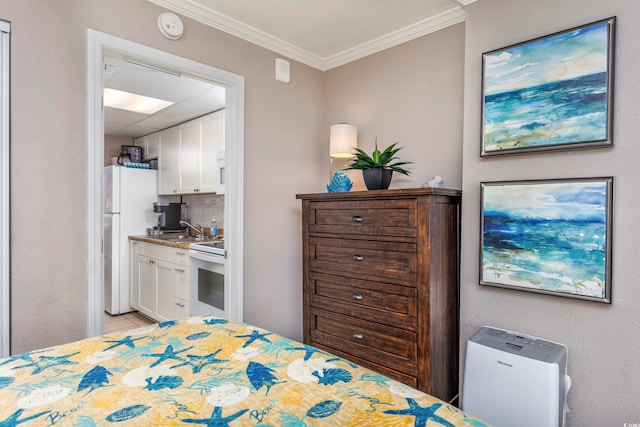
378,194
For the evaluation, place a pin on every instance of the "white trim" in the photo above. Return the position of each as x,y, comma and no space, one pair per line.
97,43
5,229
422,28
198,12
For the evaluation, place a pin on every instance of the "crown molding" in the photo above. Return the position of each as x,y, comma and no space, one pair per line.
437,22
258,37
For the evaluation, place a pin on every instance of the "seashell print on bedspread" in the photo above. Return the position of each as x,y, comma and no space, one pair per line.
206,371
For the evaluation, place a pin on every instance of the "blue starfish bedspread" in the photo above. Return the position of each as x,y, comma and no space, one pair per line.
206,371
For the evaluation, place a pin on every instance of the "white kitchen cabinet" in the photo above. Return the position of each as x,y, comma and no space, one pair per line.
147,286
163,281
189,157
211,144
150,145
187,161
220,171
169,162
164,291
134,275
181,308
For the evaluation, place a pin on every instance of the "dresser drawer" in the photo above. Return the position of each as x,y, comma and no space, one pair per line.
374,301
393,262
393,347
380,218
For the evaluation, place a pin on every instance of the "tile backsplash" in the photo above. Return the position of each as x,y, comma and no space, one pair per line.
201,208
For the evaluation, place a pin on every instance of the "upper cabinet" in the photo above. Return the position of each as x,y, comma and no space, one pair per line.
188,156
211,129
150,145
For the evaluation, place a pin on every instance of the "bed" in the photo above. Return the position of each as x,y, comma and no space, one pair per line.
206,371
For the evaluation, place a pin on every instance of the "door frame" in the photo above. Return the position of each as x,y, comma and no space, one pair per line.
5,209
99,43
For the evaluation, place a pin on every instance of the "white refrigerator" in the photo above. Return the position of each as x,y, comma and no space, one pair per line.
129,194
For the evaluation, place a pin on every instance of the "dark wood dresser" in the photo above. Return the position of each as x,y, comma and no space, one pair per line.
380,278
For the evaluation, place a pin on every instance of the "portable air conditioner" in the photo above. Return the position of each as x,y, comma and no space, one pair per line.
511,379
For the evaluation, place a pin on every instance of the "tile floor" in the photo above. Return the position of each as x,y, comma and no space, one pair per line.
122,322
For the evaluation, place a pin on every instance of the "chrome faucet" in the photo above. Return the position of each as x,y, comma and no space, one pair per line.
200,230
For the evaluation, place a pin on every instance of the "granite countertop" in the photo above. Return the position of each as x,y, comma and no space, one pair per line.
173,242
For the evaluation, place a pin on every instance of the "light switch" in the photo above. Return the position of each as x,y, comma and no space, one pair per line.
283,71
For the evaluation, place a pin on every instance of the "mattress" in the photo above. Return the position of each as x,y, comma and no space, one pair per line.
206,371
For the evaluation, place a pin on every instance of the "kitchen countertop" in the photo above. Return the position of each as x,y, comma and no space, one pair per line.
172,242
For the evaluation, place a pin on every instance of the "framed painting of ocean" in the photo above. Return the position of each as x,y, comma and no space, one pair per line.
548,236
550,93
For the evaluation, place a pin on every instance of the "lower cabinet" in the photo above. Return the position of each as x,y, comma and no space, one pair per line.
160,281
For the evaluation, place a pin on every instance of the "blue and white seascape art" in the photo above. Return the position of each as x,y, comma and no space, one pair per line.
548,236
551,93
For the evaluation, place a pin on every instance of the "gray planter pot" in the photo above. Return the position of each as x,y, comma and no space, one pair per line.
377,178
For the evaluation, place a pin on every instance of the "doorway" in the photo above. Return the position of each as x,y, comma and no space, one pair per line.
99,44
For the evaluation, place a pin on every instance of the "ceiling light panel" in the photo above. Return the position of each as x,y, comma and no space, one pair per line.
132,102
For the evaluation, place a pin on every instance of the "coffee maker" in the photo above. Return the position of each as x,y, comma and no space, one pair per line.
170,215
130,154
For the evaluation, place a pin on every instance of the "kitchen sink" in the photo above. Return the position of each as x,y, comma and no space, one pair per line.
174,238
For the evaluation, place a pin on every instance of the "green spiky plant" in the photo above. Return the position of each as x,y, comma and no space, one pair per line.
379,159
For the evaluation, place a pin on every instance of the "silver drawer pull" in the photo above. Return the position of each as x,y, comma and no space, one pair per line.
357,336
180,304
357,297
179,270
357,218
358,257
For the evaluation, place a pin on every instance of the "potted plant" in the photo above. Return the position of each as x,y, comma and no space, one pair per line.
378,168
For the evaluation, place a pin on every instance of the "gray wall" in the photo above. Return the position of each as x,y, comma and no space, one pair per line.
603,340
283,129
410,94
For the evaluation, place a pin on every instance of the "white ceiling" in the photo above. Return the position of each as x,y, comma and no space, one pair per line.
192,98
320,33
323,33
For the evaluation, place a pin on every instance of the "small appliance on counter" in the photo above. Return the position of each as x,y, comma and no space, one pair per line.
170,215
130,154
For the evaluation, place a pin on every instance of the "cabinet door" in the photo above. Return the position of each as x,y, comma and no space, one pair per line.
165,282
134,275
181,289
211,143
152,146
181,308
147,276
141,142
169,162
189,149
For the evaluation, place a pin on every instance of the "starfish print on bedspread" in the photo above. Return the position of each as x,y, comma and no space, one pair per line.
128,341
422,414
255,335
308,351
22,356
168,353
216,419
46,362
197,363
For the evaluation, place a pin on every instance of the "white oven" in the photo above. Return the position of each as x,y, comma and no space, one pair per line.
208,294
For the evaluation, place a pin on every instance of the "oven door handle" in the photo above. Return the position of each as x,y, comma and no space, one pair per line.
218,259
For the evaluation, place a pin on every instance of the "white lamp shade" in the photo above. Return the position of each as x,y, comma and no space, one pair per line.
343,138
